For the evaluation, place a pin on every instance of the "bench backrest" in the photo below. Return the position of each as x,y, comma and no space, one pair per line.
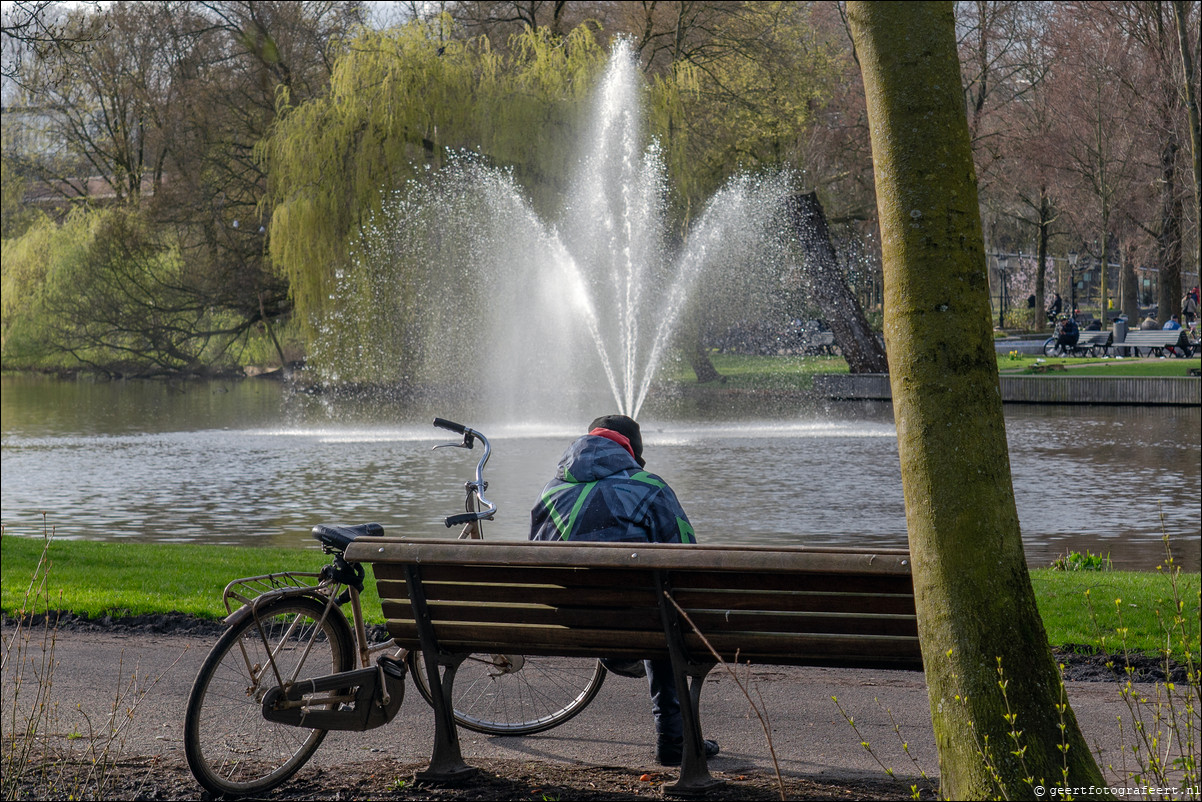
1094,338
1156,338
794,606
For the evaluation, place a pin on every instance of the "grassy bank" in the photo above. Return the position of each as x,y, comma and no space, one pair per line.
796,373
771,373
97,579
1022,364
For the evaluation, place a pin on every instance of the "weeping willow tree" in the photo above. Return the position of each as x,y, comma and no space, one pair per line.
399,102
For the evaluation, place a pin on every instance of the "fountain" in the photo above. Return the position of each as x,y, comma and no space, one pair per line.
533,325
549,320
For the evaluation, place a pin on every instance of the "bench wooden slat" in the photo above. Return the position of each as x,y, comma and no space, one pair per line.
689,599
648,619
506,575
797,602
782,648
512,594
682,577
796,580
729,558
581,577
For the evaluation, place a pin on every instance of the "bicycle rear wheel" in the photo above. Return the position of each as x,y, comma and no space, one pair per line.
507,694
231,748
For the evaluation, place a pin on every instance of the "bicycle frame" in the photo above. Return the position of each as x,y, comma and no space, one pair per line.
256,592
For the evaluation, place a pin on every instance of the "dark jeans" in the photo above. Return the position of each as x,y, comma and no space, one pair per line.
665,704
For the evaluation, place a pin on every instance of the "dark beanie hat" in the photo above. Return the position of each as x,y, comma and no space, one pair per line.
626,427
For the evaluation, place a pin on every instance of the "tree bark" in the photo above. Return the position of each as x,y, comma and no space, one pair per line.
1181,21
1130,287
1168,292
699,360
828,289
976,609
1041,269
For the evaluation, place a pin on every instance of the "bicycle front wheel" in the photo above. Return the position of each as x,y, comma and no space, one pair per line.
231,748
1051,347
509,694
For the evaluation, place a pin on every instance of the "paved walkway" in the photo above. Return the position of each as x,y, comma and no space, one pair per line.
810,735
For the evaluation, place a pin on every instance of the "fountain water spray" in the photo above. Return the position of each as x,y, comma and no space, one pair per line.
531,319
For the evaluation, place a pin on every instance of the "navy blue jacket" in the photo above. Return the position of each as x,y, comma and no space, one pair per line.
600,493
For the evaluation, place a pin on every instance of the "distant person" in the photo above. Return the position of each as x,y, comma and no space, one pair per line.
1068,334
1056,307
601,493
1189,307
1149,324
1173,324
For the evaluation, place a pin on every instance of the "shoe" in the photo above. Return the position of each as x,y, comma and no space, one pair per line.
625,668
668,752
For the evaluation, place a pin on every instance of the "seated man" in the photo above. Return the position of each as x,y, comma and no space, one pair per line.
1173,324
1069,334
601,493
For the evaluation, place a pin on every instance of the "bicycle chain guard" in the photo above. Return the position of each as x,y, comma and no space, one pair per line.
377,695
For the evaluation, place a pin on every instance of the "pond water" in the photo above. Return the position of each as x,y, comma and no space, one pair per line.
249,462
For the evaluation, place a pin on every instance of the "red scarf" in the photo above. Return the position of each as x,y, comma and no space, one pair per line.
617,437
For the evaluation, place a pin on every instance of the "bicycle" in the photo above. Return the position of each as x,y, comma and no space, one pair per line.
1053,346
283,675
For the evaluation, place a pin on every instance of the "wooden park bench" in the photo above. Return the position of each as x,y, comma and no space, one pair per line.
1093,343
758,605
821,342
1155,342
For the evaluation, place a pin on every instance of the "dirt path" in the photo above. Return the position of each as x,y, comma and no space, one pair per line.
605,753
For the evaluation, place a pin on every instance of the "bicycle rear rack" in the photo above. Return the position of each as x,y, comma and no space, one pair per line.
249,589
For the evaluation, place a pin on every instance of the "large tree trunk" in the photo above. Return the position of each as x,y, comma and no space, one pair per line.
828,289
976,609
1130,285
699,360
1168,294
1041,270
1181,20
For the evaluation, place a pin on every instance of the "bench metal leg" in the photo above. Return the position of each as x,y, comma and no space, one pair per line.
446,762
695,778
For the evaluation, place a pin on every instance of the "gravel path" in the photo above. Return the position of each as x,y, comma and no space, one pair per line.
145,666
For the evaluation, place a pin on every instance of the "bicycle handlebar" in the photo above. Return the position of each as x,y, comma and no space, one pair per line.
476,487
450,425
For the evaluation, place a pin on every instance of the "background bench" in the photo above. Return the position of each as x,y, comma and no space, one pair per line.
1156,341
1093,343
784,606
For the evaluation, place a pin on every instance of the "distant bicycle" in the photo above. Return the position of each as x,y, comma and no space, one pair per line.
1057,346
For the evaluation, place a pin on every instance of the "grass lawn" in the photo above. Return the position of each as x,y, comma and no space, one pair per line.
1078,607
796,373
1023,364
762,372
